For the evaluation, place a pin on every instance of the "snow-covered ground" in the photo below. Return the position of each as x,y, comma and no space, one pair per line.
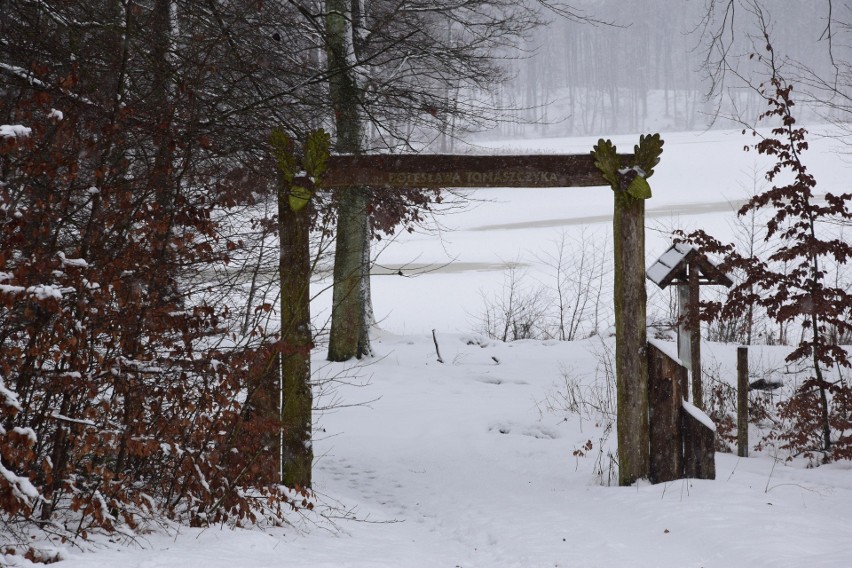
478,461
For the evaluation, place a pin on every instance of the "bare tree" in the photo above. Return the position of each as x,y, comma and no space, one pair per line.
580,270
519,311
147,151
807,42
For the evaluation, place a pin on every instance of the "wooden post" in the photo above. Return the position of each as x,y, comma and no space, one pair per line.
630,189
296,343
695,338
667,381
631,339
683,337
742,402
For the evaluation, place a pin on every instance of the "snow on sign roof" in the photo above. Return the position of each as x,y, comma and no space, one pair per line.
672,260
675,263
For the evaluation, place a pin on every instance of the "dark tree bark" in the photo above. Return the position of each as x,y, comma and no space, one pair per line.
349,336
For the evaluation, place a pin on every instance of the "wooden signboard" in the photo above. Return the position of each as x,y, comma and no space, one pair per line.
686,267
437,171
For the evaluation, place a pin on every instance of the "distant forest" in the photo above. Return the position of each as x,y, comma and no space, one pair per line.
647,67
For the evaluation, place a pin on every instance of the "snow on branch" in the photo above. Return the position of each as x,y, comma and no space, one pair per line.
14,131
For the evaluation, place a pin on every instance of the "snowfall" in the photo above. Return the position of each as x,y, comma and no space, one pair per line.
481,460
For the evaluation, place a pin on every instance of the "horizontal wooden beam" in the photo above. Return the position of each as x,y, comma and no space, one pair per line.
436,171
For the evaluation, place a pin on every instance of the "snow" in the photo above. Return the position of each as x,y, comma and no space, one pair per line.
667,347
20,486
7,289
28,433
75,262
698,414
45,291
57,114
639,171
474,462
40,291
657,271
9,398
63,418
14,131
670,259
461,464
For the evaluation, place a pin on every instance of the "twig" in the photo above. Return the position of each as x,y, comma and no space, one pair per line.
437,350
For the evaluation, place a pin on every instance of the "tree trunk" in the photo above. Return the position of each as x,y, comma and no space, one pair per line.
296,343
631,339
349,330
823,397
349,335
368,318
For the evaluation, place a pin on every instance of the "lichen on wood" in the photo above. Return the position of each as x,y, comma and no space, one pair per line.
294,221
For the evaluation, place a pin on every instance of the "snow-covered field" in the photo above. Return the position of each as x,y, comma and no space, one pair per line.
478,462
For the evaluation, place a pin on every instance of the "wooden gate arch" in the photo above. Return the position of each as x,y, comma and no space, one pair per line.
624,173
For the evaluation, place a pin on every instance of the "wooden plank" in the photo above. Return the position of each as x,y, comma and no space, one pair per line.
401,171
699,448
667,386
